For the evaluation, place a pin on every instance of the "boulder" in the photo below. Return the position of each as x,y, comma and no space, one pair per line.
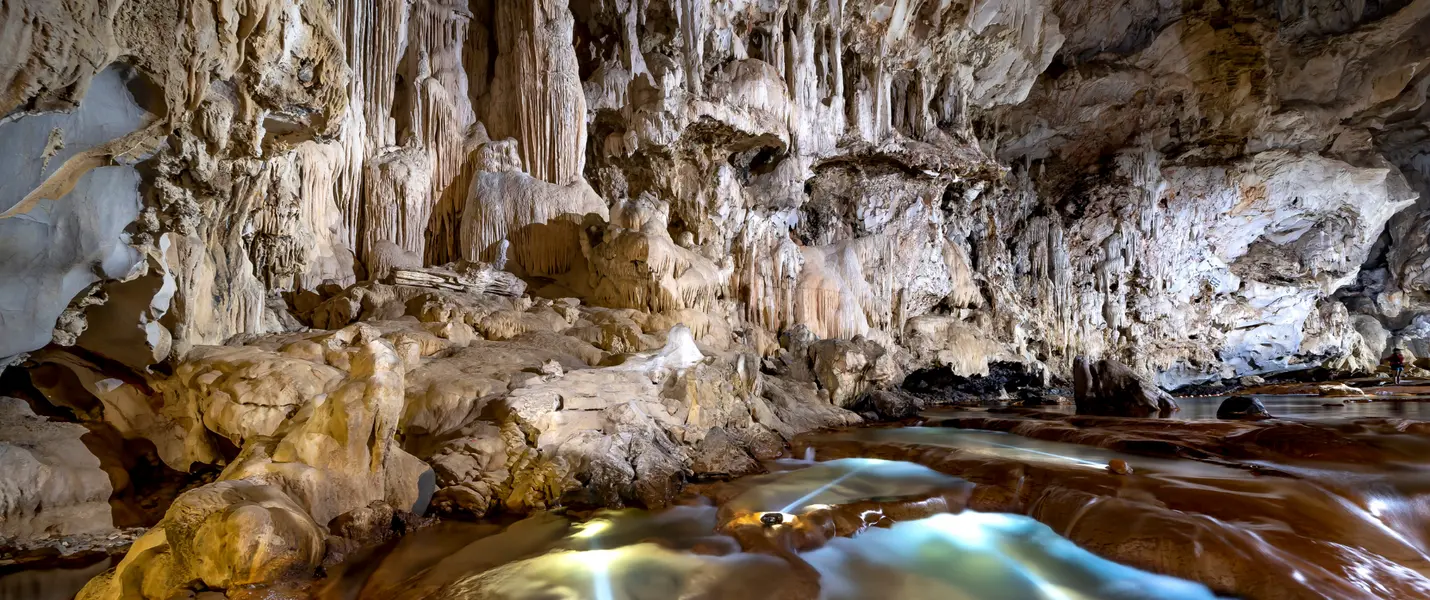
1251,381
891,405
225,534
237,533
848,368
333,453
839,367
1110,388
720,455
1242,407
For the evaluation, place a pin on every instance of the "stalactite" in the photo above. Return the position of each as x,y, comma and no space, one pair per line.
399,201
507,204
537,97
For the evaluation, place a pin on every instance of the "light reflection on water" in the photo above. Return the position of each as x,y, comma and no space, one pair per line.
1372,532
981,555
997,444
637,555
967,555
841,481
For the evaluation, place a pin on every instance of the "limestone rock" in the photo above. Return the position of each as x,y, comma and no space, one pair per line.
52,485
891,405
241,393
1208,193
334,451
471,278
848,368
239,533
224,534
1340,390
1108,387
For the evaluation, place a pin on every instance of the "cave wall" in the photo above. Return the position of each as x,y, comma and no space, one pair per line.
1200,191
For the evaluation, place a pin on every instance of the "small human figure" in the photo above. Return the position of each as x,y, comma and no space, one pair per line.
1397,364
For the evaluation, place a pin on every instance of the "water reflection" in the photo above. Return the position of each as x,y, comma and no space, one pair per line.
1015,448
841,481
1281,530
968,555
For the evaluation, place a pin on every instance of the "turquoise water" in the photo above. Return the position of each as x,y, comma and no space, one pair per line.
1289,407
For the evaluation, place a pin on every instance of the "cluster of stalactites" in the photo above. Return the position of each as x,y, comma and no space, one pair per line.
638,265
536,96
541,222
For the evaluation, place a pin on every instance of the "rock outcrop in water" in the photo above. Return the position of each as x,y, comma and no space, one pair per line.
505,255
1108,387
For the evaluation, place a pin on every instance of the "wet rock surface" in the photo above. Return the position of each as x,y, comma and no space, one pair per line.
1242,407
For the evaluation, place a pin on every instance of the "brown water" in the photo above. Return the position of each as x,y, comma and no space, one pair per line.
48,584
1281,406
1320,504
693,552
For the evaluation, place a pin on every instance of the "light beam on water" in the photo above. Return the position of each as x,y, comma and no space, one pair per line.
598,560
1079,461
821,489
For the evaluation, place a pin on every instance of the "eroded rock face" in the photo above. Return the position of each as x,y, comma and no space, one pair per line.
332,451
1182,190
52,484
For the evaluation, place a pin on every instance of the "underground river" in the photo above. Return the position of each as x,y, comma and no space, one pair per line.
986,503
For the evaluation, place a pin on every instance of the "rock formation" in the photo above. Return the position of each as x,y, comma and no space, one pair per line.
53,485
1184,191
1108,387
509,254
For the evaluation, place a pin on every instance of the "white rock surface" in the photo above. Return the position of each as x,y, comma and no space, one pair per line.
52,484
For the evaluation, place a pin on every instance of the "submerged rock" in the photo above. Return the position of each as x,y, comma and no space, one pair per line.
1242,407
